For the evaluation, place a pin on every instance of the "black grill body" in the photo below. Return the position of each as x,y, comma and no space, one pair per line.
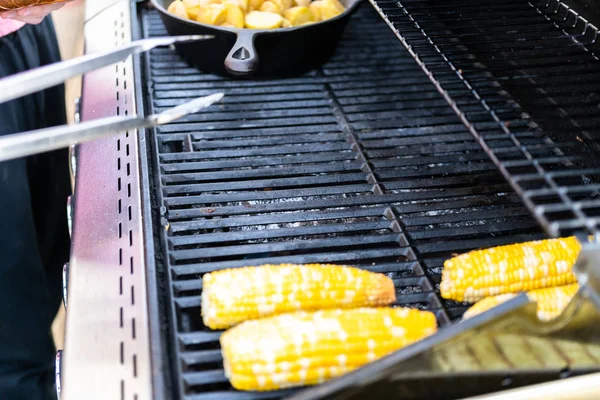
361,162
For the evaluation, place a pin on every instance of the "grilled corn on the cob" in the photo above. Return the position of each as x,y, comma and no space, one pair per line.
510,269
304,348
550,301
235,295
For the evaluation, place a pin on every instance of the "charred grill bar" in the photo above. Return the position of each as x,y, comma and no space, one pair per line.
367,161
544,54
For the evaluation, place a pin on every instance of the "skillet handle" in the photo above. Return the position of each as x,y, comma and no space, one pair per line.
242,60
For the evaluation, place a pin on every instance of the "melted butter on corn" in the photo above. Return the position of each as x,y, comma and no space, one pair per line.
510,269
550,301
235,295
304,348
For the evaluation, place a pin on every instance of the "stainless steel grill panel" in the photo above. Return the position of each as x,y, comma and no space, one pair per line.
106,352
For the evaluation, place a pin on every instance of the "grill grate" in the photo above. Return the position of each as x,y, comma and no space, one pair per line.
545,58
360,162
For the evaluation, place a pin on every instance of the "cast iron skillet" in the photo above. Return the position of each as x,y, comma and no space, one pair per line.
255,52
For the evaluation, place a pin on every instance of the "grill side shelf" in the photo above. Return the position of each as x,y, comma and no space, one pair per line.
466,48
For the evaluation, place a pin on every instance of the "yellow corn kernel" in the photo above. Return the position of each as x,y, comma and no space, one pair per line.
306,348
235,295
487,303
550,301
510,269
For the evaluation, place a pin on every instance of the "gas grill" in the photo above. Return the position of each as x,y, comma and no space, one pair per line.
475,125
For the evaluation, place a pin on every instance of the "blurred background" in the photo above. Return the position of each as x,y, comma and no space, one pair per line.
69,28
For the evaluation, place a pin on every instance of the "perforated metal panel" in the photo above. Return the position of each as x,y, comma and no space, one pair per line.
106,353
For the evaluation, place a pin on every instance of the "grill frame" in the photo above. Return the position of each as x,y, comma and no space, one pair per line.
160,367
394,215
163,343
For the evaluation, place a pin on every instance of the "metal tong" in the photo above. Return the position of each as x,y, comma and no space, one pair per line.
37,79
42,140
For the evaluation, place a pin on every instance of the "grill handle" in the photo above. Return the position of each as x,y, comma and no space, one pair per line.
242,60
42,140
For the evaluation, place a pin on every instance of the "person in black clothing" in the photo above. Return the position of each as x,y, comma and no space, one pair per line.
34,239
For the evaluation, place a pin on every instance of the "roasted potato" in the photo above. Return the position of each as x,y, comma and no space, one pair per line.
263,20
316,8
269,6
254,5
212,14
257,14
235,15
331,9
243,6
193,13
298,15
177,8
